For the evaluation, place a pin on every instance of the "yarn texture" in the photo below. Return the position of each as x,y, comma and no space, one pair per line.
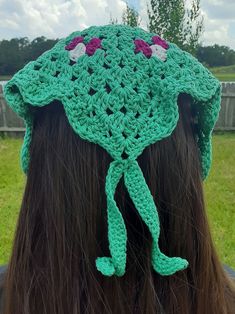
119,86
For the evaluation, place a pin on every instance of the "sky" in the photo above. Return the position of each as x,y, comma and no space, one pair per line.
59,18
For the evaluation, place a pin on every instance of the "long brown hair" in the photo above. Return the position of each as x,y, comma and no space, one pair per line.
62,228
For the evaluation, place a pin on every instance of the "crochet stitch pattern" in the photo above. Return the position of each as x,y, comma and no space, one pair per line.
121,99
158,49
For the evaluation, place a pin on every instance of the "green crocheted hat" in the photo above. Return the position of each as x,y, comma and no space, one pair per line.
119,87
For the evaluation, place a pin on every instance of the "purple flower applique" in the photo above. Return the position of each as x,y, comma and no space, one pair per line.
93,44
77,48
157,40
158,49
141,45
74,43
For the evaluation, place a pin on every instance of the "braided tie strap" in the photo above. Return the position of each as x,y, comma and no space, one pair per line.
117,235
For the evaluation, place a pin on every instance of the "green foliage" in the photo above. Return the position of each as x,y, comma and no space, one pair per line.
175,22
131,17
224,74
226,77
219,194
5,77
15,53
216,55
224,70
113,20
11,192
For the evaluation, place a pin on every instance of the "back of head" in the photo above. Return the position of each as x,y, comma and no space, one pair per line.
118,142
62,227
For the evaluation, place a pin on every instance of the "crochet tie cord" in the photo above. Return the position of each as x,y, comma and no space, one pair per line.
119,87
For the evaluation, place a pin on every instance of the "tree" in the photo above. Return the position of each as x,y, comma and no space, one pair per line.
174,21
216,55
113,20
40,45
16,52
131,17
10,56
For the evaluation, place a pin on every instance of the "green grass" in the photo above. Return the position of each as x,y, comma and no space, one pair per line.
225,77
220,196
223,70
226,73
11,192
5,77
219,193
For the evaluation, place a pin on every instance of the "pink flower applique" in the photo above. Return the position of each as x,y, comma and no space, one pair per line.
157,40
141,45
93,44
74,43
158,49
77,48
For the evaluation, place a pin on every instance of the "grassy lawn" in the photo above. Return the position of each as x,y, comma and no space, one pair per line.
11,191
219,193
5,77
220,196
226,73
226,77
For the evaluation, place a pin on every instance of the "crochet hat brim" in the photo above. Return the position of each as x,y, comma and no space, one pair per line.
52,77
